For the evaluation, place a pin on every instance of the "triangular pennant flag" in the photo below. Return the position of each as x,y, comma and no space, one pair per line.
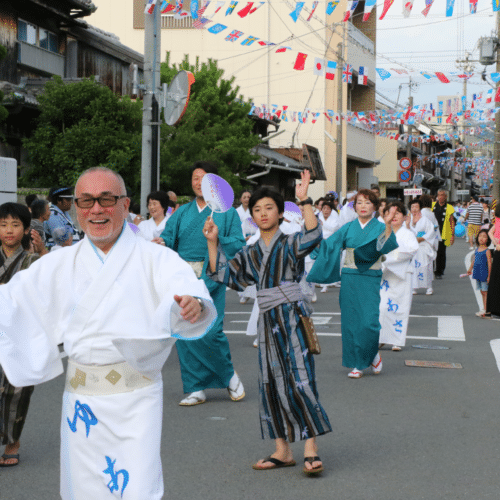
449,7
369,4
442,77
231,7
428,5
244,12
258,7
387,5
407,6
315,4
296,12
300,61
351,7
319,66
330,6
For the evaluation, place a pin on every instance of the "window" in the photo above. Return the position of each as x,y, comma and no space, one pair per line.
32,34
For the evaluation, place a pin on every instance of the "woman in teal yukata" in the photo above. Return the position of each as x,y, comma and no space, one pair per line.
365,240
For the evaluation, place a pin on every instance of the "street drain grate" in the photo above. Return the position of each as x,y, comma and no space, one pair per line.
432,364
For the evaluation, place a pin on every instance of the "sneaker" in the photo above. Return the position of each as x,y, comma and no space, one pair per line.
314,298
244,300
429,291
324,289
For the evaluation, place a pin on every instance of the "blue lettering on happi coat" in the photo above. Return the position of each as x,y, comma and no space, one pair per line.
385,284
113,483
392,307
84,413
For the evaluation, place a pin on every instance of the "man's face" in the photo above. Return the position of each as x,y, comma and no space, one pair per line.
376,192
196,179
11,232
101,225
46,214
65,203
441,197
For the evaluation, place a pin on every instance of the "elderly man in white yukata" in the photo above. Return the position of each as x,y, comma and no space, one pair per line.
117,341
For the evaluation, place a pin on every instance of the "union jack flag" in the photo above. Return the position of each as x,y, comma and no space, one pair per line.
234,35
347,73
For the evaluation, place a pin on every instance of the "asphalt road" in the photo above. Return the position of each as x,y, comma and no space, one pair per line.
420,433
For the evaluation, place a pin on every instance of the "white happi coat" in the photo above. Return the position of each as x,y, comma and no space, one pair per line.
329,225
106,309
430,215
424,258
396,289
149,230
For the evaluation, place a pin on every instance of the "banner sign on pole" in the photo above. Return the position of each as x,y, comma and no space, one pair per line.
412,192
462,192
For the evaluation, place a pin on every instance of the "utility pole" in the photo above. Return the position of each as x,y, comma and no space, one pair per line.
340,104
150,171
495,193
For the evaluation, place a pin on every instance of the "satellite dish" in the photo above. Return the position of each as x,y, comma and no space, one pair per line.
177,97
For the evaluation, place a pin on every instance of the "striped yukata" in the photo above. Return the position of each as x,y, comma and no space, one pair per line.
289,405
14,401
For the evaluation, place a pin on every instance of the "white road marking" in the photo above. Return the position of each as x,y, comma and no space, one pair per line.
451,328
495,347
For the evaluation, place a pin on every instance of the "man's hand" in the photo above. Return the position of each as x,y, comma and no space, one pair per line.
301,189
158,241
210,230
37,243
190,307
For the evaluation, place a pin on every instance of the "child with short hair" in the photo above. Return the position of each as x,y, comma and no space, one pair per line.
289,403
480,268
15,230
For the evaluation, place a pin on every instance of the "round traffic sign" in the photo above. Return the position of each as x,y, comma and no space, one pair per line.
404,176
405,163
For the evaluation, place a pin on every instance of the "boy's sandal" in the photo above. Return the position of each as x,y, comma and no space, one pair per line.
277,464
14,456
315,470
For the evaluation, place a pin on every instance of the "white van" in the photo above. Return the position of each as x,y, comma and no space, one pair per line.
8,180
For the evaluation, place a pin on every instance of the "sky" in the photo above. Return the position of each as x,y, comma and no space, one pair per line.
432,43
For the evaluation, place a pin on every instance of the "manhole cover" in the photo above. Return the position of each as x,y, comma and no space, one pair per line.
432,364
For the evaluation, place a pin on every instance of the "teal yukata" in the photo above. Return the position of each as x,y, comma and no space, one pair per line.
289,405
205,363
360,290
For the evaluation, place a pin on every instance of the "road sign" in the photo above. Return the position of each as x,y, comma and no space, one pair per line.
412,192
462,192
404,176
405,163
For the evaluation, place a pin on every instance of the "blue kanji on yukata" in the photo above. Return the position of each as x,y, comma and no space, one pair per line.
84,413
113,483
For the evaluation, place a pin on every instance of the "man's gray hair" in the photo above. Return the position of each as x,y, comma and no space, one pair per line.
442,191
91,170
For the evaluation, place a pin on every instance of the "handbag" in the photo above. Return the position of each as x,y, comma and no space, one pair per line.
309,329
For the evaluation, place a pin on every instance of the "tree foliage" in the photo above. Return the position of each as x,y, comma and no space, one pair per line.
83,125
3,111
215,127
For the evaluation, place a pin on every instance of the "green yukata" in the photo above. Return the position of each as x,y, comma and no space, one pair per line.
360,285
205,363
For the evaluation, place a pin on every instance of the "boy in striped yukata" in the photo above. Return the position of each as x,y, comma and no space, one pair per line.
288,403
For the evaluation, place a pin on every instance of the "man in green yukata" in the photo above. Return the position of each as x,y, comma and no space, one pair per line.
205,363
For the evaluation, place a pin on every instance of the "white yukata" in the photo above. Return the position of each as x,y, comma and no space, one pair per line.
112,415
149,229
423,261
430,215
329,225
396,289
347,214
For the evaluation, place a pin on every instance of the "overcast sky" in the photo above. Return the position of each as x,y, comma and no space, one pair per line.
434,44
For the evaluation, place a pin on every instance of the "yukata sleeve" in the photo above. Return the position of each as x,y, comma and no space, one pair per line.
367,254
303,243
232,240
236,273
28,330
326,267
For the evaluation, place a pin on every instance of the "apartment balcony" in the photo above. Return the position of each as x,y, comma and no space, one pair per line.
360,143
40,59
169,22
360,51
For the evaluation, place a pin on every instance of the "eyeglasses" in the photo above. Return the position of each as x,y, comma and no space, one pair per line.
105,201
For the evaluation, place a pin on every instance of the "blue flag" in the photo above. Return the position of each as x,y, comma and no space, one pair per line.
449,7
296,13
194,9
217,28
383,73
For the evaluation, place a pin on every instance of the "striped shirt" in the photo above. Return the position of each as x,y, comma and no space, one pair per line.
475,212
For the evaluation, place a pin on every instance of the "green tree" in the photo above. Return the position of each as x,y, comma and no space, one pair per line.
3,111
82,125
215,127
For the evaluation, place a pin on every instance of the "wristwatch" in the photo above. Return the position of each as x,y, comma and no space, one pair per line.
202,304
